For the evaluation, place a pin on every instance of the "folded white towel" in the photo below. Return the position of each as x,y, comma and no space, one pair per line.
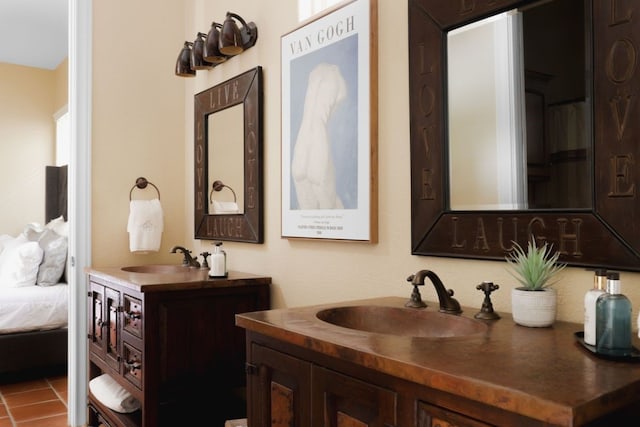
224,207
145,225
113,395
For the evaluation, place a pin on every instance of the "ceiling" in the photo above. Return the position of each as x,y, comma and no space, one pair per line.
34,33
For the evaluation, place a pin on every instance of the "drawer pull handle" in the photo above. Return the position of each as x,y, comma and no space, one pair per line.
133,365
133,315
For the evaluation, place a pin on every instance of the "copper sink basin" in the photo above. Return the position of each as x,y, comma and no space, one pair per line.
402,321
157,269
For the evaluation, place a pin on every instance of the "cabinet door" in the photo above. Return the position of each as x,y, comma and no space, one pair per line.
278,387
341,401
434,416
112,314
96,320
104,323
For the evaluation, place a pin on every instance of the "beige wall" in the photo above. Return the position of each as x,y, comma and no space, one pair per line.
142,125
138,122
29,97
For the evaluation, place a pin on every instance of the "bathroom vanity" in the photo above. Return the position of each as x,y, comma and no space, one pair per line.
166,334
376,363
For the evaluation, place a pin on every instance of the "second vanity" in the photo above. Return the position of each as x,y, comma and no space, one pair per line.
166,334
375,363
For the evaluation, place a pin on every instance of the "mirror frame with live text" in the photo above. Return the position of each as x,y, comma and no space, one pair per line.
245,89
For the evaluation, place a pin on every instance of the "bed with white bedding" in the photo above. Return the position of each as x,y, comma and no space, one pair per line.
33,294
33,308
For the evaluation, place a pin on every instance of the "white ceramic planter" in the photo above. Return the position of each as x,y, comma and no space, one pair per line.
535,309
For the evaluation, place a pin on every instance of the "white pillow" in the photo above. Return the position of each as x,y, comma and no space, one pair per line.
4,238
19,262
59,225
9,243
55,254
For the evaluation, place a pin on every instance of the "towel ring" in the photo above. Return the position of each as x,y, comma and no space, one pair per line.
141,183
218,186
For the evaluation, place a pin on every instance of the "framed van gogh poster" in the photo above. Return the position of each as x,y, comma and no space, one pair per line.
329,125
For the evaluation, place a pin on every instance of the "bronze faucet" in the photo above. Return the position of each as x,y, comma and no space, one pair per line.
448,304
188,260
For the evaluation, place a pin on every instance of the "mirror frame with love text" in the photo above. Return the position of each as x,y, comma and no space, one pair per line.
607,235
245,89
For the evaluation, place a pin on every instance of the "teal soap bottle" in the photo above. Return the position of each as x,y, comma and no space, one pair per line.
613,319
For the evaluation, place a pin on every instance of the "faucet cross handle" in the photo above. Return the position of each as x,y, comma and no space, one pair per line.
415,301
205,255
486,312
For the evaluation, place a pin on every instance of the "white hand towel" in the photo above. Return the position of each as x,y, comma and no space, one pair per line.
113,395
145,225
225,207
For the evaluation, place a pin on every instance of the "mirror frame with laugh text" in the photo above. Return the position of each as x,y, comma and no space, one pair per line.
607,235
248,226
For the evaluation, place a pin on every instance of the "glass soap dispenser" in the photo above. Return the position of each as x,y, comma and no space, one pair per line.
613,319
590,299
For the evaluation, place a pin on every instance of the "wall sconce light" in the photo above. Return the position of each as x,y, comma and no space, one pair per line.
197,60
221,43
183,63
234,40
212,45
223,207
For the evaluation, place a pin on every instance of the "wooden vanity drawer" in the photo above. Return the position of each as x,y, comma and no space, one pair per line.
132,364
96,418
132,315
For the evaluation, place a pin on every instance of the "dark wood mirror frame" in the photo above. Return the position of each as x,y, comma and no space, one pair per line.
608,235
245,89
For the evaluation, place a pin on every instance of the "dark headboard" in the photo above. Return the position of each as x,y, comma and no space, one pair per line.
55,192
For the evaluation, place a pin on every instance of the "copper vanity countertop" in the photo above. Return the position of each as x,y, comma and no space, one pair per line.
190,278
542,373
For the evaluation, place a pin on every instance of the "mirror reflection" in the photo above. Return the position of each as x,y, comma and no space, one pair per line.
519,110
225,154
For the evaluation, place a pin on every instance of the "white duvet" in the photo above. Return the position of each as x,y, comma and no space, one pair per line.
32,308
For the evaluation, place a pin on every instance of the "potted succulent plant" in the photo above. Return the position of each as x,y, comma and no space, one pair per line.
534,302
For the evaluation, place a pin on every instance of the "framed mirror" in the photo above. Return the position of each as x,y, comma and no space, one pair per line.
229,160
594,221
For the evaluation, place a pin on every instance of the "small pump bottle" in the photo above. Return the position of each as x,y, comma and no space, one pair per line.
590,298
218,262
613,319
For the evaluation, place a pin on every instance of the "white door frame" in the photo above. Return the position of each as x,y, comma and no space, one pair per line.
79,212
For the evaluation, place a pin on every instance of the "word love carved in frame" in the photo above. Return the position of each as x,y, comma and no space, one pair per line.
608,233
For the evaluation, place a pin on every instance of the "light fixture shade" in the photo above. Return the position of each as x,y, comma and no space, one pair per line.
211,51
230,37
183,63
197,60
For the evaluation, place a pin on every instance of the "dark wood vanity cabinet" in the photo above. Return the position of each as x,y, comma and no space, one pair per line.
288,390
305,371
172,343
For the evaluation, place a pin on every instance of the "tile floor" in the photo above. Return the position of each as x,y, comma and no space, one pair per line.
36,403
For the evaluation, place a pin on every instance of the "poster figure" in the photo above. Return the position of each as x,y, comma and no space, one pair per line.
324,159
312,168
